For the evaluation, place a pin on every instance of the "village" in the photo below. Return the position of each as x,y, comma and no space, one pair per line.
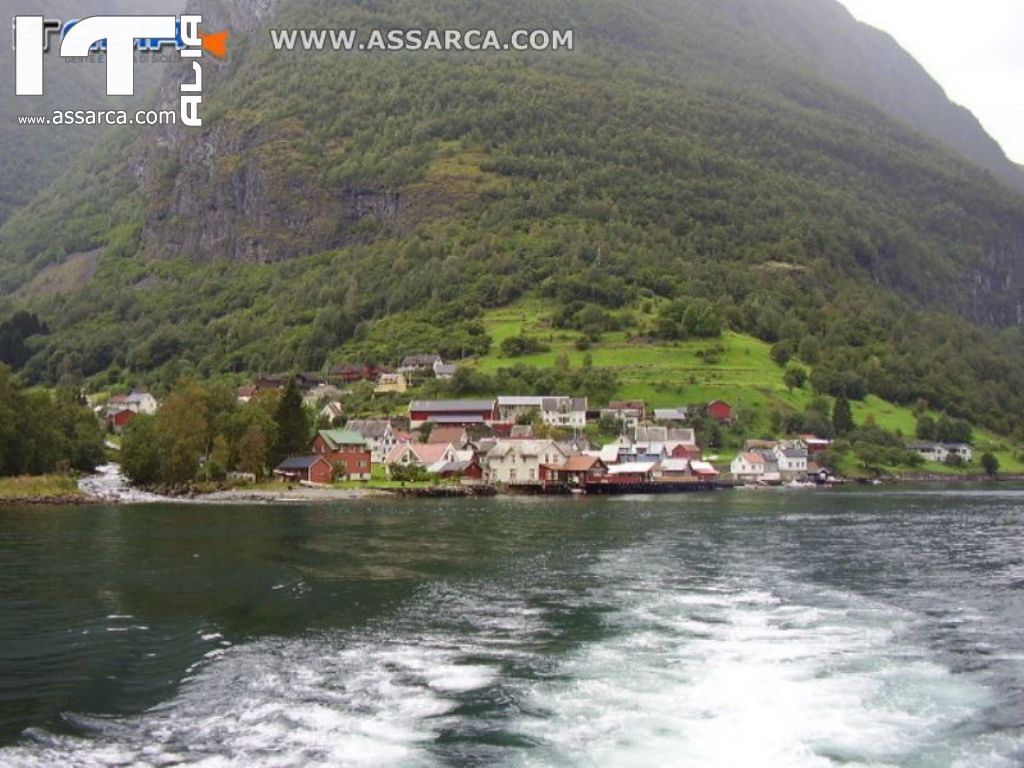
521,443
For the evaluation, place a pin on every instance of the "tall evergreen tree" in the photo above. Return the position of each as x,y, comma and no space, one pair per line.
292,426
842,417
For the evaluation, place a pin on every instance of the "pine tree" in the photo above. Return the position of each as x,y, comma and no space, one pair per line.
292,427
842,417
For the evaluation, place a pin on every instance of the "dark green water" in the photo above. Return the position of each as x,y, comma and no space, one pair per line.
768,629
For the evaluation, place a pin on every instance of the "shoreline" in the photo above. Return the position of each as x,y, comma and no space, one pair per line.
311,495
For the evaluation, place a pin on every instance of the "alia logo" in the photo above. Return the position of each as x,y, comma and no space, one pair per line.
119,37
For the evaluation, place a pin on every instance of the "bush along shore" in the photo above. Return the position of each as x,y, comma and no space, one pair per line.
54,490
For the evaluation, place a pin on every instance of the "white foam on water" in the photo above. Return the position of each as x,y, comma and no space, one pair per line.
281,703
739,676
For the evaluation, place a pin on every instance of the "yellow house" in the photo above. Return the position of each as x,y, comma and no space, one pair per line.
391,382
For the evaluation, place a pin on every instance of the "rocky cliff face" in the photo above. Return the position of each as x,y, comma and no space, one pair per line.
225,192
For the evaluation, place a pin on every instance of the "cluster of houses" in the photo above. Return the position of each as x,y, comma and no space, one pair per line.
517,441
768,462
493,442
119,410
320,389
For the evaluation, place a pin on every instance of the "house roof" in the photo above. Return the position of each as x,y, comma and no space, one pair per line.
448,435
703,468
420,361
523,447
300,462
644,434
675,465
753,458
451,406
633,468
580,464
520,401
369,428
425,453
671,414
335,438
445,369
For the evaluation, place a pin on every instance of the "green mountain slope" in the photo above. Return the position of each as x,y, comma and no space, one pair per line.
368,204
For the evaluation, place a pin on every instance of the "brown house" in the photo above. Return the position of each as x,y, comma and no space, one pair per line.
576,470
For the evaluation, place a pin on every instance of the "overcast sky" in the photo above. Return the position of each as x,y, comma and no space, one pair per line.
973,48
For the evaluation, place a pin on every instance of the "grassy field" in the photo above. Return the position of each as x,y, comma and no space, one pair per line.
42,487
677,374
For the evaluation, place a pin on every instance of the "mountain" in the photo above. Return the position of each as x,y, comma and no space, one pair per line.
687,151
867,61
34,157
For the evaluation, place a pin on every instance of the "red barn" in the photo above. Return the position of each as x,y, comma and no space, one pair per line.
462,413
720,411
306,469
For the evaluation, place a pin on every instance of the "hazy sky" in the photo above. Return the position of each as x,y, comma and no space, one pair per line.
975,50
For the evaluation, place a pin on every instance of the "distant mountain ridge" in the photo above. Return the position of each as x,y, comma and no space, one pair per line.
868,61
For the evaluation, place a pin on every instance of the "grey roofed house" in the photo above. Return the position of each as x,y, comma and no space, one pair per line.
575,445
644,434
444,370
792,449
419,362
681,435
671,414
299,462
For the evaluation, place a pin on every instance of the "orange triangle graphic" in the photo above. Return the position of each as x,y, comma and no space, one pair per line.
216,43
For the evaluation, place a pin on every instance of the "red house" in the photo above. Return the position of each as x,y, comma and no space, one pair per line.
120,420
306,469
685,451
720,411
347,452
353,372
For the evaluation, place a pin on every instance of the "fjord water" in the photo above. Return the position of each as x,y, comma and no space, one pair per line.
772,629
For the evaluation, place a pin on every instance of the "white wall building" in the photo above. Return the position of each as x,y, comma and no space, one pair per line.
518,462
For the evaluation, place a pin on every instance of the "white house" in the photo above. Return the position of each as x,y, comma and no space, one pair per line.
555,411
141,402
518,462
940,452
791,456
749,466
379,435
